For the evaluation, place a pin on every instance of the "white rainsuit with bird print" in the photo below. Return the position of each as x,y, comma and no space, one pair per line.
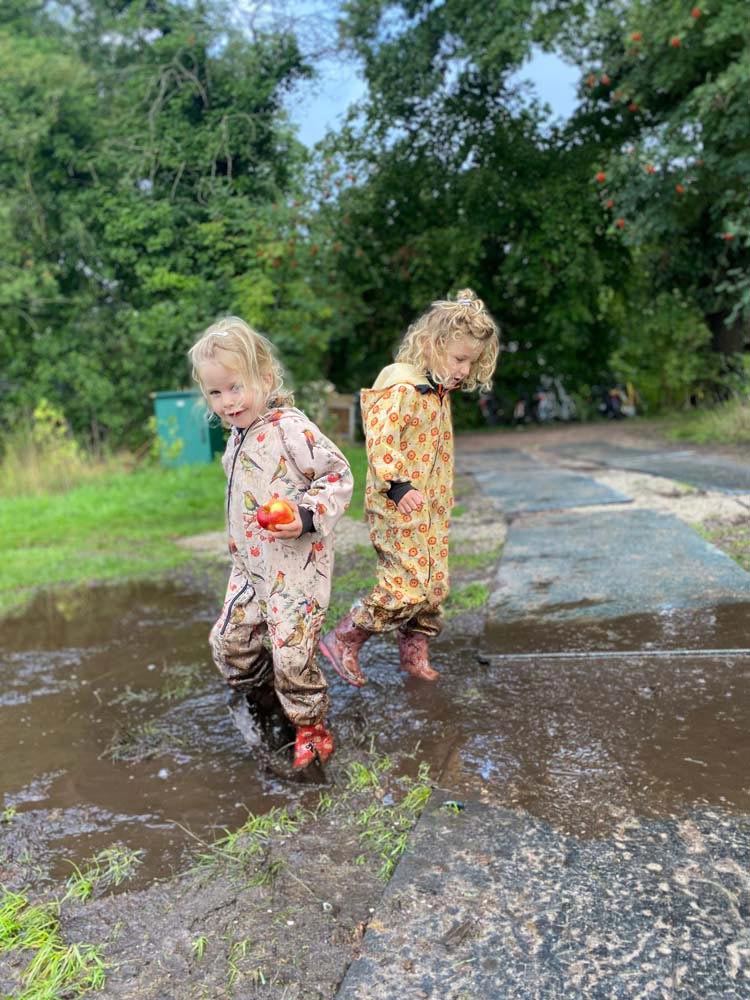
278,590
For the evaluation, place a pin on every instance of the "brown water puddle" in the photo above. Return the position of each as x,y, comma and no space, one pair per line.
81,671
582,740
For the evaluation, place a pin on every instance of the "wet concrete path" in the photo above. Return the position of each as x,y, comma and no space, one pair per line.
593,835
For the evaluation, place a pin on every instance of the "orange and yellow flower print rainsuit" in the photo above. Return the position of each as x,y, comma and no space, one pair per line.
409,436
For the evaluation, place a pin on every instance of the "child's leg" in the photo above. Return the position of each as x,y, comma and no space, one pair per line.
301,687
238,644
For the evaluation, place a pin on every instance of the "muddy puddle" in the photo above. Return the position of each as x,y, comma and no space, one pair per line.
114,726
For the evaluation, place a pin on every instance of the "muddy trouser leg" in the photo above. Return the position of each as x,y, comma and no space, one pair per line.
380,613
241,654
300,684
427,620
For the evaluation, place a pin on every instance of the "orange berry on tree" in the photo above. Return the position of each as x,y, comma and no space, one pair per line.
600,177
679,189
620,223
605,80
695,12
675,42
610,203
728,237
636,36
632,106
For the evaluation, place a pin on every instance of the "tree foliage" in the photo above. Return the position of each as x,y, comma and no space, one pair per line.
668,90
150,182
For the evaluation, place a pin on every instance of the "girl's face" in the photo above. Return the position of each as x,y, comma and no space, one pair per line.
458,357
227,394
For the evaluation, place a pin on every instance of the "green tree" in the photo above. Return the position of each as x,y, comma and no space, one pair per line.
460,181
668,88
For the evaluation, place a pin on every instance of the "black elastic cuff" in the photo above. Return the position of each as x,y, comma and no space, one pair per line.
306,516
398,491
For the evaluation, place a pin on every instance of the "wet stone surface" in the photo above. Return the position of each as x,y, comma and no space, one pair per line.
490,903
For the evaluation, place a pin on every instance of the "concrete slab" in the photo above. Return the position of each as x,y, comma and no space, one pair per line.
517,483
609,564
490,903
705,472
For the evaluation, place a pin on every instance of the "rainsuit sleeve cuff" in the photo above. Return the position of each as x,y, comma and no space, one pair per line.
398,491
306,516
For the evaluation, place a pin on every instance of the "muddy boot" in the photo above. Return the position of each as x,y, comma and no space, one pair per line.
414,656
313,742
341,647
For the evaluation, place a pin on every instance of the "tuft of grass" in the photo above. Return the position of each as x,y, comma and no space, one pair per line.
198,947
468,598
385,828
141,742
726,423
57,969
474,560
238,847
107,868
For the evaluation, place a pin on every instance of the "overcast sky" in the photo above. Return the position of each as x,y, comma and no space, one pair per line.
322,108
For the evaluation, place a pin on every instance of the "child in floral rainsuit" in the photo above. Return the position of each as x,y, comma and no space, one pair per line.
409,493
280,581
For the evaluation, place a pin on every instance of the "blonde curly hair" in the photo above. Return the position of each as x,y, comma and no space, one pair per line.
232,343
426,340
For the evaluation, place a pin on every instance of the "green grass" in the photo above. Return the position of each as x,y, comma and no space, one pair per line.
727,423
122,526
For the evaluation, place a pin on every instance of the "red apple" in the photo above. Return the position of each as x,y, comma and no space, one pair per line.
273,513
636,36
620,223
600,177
695,12
675,42
679,189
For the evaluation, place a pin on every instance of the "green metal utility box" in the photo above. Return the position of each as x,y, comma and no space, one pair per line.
185,435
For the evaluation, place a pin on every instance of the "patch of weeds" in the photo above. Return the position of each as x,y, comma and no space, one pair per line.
384,828
268,872
7,814
734,539
181,681
252,839
237,953
198,947
109,867
361,776
474,560
458,511
468,598
141,742
57,969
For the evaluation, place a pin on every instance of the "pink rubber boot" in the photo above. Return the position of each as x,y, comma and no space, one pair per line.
414,656
342,646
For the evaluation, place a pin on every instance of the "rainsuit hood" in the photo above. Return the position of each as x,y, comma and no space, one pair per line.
396,374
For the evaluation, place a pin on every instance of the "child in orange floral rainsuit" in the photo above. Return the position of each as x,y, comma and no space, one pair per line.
280,582
409,493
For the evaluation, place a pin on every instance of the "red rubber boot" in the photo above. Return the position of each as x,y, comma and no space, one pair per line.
415,657
312,742
342,646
